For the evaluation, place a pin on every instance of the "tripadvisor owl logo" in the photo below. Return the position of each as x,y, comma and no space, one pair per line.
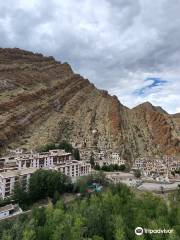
139,231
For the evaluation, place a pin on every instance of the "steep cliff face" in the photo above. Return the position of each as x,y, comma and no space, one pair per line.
42,100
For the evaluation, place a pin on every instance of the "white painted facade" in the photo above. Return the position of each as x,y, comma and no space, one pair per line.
107,162
74,169
115,156
9,210
27,164
9,178
5,211
151,166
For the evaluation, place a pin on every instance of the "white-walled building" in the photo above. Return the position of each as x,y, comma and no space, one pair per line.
115,156
111,158
23,165
9,178
157,166
42,160
74,168
9,210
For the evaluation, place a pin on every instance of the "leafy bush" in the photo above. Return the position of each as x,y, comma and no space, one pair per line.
110,215
111,167
42,184
62,145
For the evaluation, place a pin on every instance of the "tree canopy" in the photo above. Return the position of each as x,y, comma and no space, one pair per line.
62,145
111,167
109,215
42,184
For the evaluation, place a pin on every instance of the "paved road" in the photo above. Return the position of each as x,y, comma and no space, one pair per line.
156,187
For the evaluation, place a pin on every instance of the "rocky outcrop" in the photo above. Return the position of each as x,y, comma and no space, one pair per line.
42,100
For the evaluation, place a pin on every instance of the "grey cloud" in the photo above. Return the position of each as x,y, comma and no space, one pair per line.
114,43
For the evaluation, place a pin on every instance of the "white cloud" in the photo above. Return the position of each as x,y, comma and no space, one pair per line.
117,44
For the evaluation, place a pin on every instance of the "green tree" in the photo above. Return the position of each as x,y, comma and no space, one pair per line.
20,195
6,235
97,167
56,197
66,146
110,215
29,234
92,162
97,238
137,173
76,230
39,215
76,154
47,147
62,145
119,231
110,167
44,183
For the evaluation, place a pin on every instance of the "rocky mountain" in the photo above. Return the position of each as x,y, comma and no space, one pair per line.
42,101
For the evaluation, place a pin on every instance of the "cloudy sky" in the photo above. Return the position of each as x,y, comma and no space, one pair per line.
129,47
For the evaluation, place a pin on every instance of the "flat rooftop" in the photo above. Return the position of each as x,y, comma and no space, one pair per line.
15,173
6,208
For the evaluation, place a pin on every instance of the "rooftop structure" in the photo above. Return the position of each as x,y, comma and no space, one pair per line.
10,178
157,166
9,210
22,165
